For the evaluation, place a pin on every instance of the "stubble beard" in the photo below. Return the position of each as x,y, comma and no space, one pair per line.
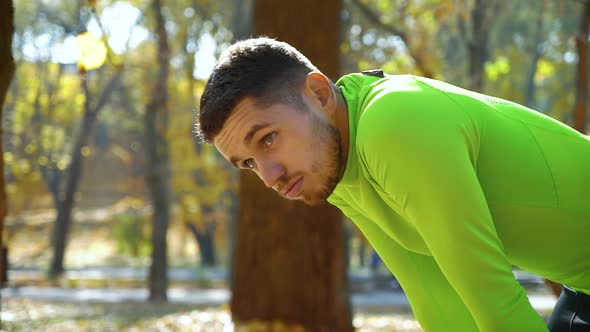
329,164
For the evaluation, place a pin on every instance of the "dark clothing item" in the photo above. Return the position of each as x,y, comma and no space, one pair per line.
571,313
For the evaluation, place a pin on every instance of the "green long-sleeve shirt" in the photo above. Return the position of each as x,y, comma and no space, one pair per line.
453,187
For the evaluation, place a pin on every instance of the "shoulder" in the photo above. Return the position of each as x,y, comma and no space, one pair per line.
408,125
405,107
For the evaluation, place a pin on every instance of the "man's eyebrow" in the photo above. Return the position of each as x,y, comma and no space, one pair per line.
248,138
253,130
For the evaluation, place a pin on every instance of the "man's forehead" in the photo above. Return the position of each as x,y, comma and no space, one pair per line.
237,115
238,125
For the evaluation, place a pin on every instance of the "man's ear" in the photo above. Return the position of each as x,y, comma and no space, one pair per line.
319,89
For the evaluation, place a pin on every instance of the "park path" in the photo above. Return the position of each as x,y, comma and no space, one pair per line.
365,292
378,299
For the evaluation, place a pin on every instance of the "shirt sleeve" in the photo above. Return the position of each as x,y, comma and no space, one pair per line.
421,148
435,304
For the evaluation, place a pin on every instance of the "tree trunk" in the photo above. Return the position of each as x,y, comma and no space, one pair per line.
582,70
6,73
74,173
205,237
242,28
477,47
481,19
157,156
289,260
232,224
206,242
530,84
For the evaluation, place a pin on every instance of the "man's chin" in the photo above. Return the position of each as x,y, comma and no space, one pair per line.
306,201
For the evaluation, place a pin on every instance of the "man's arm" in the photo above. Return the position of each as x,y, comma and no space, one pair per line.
421,148
435,304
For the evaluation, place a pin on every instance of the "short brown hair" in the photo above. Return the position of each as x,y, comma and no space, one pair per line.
268,70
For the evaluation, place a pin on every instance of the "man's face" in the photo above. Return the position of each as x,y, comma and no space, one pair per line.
296,152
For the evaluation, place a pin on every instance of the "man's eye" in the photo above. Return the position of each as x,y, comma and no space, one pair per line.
249,163
268,139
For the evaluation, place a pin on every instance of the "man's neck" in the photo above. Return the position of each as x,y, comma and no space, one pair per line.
341,121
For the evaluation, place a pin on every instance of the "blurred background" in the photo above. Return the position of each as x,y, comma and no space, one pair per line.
119,219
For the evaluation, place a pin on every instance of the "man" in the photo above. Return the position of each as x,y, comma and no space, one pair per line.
451,187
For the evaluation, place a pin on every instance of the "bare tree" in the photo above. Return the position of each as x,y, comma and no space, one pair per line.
64,194
397,30
74,172
157,156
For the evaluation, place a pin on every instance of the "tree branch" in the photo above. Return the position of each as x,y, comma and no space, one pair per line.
106,92
375,19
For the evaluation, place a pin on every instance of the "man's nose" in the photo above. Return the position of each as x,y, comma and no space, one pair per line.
270,172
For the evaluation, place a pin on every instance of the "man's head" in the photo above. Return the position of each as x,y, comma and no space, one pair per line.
267,108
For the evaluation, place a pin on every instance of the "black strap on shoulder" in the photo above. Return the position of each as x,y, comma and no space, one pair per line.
374,72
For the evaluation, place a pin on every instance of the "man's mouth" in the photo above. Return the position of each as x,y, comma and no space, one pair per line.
294,189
